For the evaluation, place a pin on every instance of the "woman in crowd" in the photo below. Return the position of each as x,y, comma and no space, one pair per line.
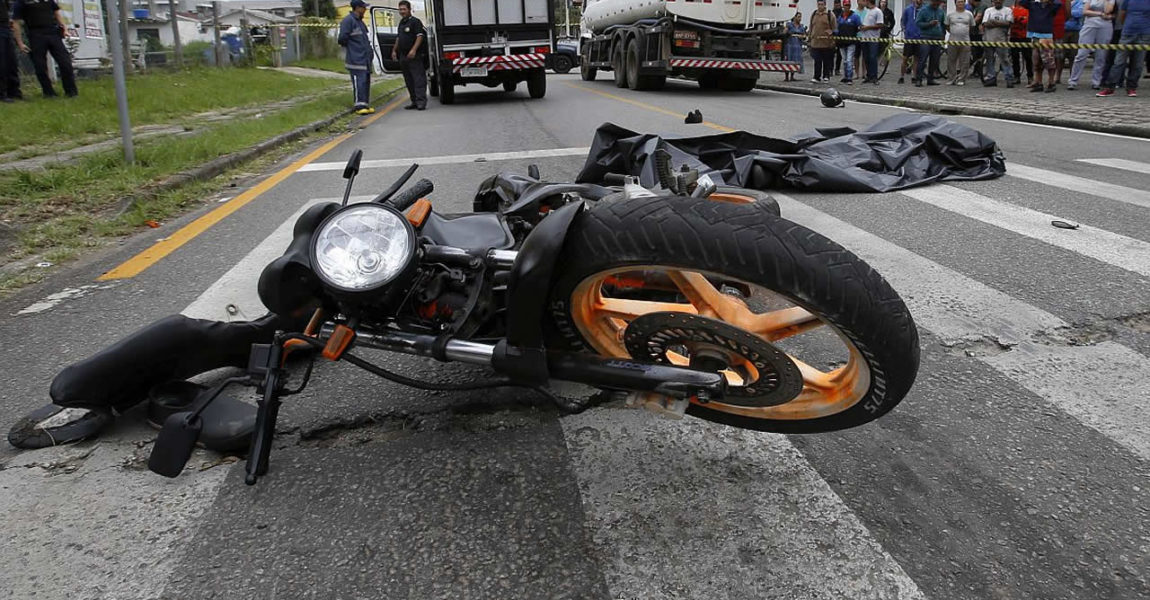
1097,27
793,51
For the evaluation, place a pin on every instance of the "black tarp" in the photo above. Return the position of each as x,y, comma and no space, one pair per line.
898,152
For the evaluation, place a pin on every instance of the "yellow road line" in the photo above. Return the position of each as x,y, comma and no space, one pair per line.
652,107
138,263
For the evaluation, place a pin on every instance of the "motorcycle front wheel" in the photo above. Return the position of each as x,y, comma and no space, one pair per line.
843,349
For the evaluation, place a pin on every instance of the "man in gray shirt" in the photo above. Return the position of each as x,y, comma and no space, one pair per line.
871,29
958,24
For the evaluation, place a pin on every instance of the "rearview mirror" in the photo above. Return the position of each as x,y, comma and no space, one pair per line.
352,168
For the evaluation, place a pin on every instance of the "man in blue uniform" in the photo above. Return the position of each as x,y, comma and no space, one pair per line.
409,49
46,33
9,75
356,40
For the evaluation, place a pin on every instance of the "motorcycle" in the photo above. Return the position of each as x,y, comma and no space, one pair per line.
687,298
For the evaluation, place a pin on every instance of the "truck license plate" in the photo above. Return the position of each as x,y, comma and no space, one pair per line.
474,72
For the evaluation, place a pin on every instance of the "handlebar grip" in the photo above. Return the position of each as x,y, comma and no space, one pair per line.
614,179
403,200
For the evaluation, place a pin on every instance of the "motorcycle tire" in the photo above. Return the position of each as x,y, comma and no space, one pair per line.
830,293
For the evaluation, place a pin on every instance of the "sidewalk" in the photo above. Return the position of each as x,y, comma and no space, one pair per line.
1078,109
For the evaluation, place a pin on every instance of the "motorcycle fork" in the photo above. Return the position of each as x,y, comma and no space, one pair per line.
266,360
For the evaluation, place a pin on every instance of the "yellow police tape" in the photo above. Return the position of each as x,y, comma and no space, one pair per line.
1031,44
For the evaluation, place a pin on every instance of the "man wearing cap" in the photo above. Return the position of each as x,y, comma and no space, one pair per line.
356,40
409,50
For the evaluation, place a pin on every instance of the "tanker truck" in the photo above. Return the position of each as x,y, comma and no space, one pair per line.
718,43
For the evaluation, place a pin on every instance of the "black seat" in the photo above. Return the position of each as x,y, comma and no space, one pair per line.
470,230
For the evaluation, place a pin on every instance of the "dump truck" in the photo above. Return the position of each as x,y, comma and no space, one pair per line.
494,43
718,43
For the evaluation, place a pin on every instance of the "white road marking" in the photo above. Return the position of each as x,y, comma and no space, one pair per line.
691,509
1119,163
955,307
450,159
52,300
1043,125
1099,244
1099,189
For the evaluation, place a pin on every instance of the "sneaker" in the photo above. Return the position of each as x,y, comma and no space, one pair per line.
1070,87
1036,88
363,111
962,83
901,80
843,80
1050,88
409,107
1105,93
918,84
54,425
932,83
1131,93
953,83
850,82
1095,87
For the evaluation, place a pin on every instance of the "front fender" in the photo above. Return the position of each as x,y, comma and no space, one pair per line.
532,275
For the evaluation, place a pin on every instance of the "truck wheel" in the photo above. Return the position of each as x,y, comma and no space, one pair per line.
561,63
708,81
509,86
433,86
446,91
633,79
587,73
537,83
618,67
736,84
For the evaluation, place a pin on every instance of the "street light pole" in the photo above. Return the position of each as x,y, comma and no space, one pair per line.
175,33
121,85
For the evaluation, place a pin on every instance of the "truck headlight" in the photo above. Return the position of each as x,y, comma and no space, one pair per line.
363,247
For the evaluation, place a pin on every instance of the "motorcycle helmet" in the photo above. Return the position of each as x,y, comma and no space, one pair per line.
831,98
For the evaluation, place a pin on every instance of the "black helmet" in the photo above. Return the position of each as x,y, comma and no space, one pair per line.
831,98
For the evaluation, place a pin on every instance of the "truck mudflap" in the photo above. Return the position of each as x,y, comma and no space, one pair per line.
728,63
502,62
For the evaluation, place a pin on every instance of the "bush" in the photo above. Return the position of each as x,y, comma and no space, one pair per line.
198,52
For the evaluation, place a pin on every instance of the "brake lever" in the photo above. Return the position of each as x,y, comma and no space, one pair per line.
399,183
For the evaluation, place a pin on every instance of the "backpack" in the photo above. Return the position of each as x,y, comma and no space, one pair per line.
1074,23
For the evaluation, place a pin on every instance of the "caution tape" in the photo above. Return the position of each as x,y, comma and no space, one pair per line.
983,44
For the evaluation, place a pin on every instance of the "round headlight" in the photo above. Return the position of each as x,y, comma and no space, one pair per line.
362,247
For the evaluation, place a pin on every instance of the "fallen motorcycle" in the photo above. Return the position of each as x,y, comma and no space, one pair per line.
688,298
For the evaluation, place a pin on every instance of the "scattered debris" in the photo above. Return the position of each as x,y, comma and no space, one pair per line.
1064,225
43,264
152,223
694,116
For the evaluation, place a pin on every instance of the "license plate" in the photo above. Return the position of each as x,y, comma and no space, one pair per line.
474,72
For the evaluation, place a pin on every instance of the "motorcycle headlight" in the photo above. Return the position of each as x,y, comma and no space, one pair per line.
363,247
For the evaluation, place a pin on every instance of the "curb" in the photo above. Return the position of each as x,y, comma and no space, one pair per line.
218,165
954,109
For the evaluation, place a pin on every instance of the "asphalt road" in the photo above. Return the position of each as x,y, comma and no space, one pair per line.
1016,468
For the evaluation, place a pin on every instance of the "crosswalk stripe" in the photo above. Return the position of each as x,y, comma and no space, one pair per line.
959,309
1099,244
1099,189
691,509
1119,163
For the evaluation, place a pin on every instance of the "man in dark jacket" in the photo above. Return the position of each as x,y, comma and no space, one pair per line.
46,33
356,40
9,74
929,21
409,49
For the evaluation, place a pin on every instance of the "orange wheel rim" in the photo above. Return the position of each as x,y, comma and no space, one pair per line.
601,310
732,198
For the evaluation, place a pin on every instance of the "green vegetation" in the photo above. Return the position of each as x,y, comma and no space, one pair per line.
334,64
157,97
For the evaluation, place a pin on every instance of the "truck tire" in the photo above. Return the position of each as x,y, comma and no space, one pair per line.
708,81
537,83
620,241
433,86
635,79
619,66
736,84
587,73
446,91
509,86
561,63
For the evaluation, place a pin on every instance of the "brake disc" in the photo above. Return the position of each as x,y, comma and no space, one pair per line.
769,376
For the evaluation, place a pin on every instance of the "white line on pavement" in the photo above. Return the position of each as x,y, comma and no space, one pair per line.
1099,189
955,307
1099,244
690,509
450,159
1119,163
1070,129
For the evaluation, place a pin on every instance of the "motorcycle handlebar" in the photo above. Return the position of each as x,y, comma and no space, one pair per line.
614,179
403,200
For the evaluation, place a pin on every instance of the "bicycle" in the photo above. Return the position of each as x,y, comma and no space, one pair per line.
892,52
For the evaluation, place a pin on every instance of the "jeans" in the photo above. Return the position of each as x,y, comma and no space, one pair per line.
928,55
9,73
361,87
995,56
959,62
1135,59
824,62
870,53
1094,31
415,78
848,54
49,41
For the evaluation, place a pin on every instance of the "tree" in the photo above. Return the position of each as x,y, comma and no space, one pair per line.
319,8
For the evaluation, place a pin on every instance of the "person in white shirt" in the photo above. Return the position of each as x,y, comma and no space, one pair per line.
996,22
871,29
958,24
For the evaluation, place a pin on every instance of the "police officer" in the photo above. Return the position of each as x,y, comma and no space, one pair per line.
410,49
355,39
46,33
9,75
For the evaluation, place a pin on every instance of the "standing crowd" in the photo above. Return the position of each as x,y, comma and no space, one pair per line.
838,42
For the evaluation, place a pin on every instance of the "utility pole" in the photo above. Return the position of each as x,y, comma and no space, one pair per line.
124,42
176,33
216,32
121,85
246,31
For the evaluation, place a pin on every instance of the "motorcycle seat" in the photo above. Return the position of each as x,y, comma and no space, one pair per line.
469,230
